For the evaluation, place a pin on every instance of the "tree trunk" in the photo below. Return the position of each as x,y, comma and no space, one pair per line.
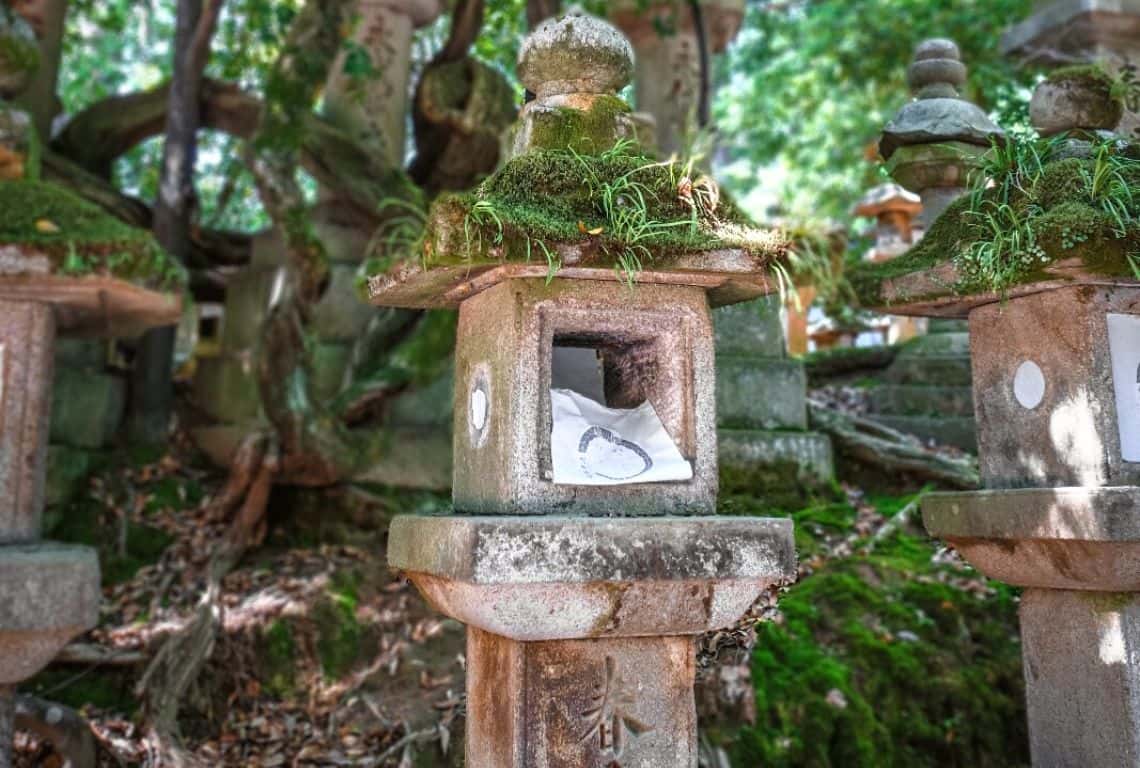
152,393
47,17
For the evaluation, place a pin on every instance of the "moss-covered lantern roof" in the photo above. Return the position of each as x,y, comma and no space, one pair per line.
1043,214
103,277
580,199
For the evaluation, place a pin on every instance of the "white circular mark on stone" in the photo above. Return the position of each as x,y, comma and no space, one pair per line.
478,409
1029,385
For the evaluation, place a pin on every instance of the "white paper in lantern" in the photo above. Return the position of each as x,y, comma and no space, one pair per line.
1124,347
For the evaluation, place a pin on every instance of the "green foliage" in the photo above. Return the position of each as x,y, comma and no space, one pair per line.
888,659
807,86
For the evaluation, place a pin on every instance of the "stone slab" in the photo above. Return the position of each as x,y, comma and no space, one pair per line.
958,431
760,393
27,336
569,704
1059,538
912,400
86,407
750,328
547,578
744,450
51,594
95,305
936,371
1080,654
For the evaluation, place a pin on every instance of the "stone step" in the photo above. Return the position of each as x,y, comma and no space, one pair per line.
760,393
86,407
937,345
958,431
930,371
750,328
914,400
945,325
743,451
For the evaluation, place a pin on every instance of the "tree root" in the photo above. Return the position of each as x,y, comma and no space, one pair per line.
879,446
69,734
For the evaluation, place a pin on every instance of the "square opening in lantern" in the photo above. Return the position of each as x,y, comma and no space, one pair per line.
617,402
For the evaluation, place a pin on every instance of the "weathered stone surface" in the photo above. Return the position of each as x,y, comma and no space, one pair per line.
1061,29
744,450
51,593
758,393
911,400
1072,436
249,295
750,328
27,336
576,53
86,407
1059,538
657,342
936,371
225,387
549,578
1082,680
1070,105
938,120
570,704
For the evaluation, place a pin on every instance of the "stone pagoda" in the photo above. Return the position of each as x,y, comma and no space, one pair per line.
1055,347
931,147
582,552
66,268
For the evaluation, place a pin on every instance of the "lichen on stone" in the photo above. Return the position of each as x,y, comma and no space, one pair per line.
50,226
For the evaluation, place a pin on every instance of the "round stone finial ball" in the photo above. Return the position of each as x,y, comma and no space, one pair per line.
937,69
577,53
19,53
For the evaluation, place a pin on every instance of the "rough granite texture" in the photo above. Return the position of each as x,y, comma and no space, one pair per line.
575,54
564,578
570,704
51,593
1057,538
27,335
1082,679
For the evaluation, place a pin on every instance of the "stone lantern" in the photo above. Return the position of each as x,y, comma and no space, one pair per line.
931,144
67,268
1055,348
584,560
894,210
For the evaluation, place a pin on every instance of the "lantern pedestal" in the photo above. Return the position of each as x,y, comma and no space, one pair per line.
581,631
1077,553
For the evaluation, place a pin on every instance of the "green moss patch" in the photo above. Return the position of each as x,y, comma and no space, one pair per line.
620,210
1091,76
587,131
80,238
887,659
1032,213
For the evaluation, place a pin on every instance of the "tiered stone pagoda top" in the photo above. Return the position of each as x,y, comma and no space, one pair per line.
938,113
579,199
1048,213
102,276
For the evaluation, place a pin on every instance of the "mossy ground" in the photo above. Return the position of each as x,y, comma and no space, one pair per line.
884,659
80,238
1085,208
